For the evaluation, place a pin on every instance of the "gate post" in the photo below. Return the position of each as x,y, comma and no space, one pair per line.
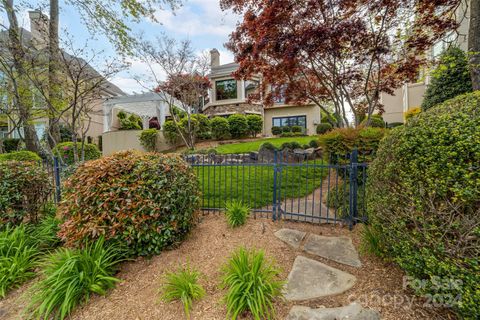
353,187
274,205
56,173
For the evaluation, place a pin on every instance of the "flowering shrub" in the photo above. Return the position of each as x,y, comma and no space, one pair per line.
145,200
24,188
65,151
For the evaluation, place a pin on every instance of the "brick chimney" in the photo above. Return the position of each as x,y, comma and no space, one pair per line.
39,28
214,58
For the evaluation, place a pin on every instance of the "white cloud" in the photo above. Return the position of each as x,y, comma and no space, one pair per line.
199,17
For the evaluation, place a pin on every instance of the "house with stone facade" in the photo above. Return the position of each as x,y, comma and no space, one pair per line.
228,95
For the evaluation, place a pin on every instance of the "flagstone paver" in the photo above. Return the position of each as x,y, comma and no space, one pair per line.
353,311
291,237
339,249
310,279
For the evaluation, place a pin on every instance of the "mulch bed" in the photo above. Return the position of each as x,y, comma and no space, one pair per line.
378,286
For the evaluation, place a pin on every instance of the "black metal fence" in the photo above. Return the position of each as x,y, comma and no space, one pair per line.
285,184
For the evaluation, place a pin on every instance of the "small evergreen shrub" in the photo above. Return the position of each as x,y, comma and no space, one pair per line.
411,113
287,134
203,130
449,79
394,124
376,121
148,139
255,124
18,253
129,122
145,200
220,128
267,146
423,199
24,188
276,130
297,129
314,144
183,286
170,133
286,129
238,125
323,128
20,156
236,213
65,151
71,276
11,144
291,145
253,284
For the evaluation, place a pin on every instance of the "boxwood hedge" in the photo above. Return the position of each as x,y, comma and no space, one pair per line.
145,200
424,201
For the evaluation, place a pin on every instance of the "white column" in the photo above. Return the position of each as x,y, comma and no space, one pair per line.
107,118
161,113
145,122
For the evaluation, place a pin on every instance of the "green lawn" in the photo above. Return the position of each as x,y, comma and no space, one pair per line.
254,184
245,147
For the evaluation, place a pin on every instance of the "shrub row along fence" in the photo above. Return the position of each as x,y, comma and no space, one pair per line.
285,185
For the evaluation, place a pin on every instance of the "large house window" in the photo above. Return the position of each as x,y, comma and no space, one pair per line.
226,89
290,121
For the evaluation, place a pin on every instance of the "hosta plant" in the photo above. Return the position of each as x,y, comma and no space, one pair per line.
183,285
252,284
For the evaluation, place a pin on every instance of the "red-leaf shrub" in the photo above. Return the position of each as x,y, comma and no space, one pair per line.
145,200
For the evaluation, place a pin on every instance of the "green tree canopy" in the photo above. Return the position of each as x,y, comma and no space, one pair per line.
450,79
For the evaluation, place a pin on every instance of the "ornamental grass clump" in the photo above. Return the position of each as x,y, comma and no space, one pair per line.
183,286
236,213
18,255
71,276
147,201
252,284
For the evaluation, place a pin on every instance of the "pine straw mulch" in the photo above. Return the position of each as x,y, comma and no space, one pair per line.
207,249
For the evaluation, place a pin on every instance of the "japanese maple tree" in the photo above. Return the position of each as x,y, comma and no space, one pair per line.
346,52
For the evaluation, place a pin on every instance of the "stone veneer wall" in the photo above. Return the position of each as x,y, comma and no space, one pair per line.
241,108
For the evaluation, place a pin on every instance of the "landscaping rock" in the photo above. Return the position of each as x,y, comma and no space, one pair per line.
310,279
291,237
353,311
339,249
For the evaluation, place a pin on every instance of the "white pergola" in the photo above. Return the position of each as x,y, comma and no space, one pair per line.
145,105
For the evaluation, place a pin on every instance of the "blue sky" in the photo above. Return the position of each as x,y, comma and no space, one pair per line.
200,21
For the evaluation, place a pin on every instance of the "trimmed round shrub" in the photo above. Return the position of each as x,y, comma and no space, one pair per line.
296,129
255,124
376,121
203,129
286,129
146,201
314,144
238,125
24,188
220,128
291,145
148,139
170,132
267,146
20,156
423,199
65,151
276,130
323,128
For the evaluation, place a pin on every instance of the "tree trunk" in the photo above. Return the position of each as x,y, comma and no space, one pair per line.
54,86
474,43
18,56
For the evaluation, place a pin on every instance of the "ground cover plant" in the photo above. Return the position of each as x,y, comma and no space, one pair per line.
18,253
252,185
71,276
249,146
423,201
236,213
146,200
252,283
183,286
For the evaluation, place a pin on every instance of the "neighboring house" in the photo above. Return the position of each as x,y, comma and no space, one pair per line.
37,39
230,96
410,95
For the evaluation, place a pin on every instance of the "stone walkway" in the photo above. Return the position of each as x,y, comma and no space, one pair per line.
311,279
